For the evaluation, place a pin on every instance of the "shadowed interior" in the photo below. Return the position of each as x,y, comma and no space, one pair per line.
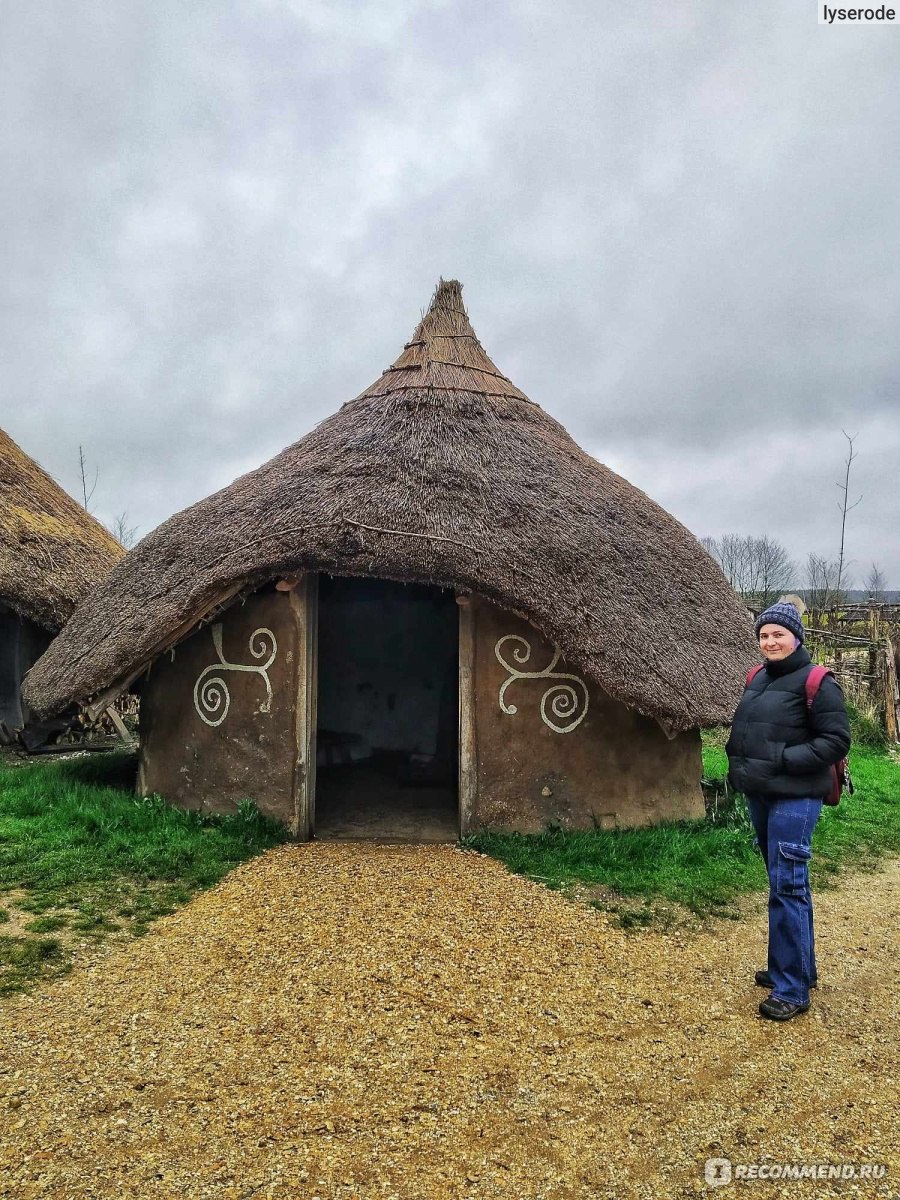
388,711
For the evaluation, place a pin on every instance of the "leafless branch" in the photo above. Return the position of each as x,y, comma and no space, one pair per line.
86,495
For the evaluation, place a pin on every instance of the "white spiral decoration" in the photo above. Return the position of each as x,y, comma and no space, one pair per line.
212,696
211,692
566,700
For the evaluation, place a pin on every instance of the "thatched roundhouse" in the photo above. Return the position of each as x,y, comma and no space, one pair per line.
51,553
431,614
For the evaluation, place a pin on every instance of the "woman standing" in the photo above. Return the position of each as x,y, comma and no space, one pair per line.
780,755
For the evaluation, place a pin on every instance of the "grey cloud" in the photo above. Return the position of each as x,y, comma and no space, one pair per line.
676,226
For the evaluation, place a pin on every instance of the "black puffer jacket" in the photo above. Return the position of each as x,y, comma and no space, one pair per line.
777,746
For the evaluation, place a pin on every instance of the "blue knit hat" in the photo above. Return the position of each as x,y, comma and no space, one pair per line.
785,615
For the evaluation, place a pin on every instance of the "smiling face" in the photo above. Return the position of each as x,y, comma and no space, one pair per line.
777,642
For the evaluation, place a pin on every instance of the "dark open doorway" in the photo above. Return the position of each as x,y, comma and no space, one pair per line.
387,711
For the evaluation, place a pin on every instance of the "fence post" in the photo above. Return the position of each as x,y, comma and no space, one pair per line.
891,691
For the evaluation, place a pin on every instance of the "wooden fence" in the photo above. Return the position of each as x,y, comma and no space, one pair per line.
861,644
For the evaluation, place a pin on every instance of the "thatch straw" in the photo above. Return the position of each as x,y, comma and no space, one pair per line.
51,551
441,472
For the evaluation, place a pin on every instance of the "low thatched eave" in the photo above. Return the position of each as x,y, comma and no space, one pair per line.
52,552
442,472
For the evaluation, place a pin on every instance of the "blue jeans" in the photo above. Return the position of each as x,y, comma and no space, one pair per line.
784,828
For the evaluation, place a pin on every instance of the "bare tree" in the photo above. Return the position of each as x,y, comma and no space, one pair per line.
875,583
84,491
756,567
845,508
711,546
821,582
125,534
774,569
733,561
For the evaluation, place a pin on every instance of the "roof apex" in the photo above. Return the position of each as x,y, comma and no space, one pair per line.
447,296
444,355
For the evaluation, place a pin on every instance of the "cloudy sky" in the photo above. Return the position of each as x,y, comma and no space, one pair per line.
676,224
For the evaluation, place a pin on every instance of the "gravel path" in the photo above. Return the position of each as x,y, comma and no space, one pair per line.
364,1020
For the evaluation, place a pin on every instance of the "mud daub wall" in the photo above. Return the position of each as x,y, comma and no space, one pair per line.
219,722
218,713
600,762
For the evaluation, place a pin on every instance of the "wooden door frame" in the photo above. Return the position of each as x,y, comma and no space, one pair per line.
468,761
305,602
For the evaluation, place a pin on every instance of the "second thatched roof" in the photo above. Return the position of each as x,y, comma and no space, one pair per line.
52,552
441,472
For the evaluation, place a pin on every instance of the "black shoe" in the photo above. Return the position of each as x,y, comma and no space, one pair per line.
764,979
781,1010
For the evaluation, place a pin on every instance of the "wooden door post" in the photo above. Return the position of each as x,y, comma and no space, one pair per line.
305,603
468,765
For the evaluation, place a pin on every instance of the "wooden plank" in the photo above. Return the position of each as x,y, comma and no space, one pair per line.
121,728
468,762
312,691
305,604
891,693
837,637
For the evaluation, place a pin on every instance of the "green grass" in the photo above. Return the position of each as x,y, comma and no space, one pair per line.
24,961
866,727
86,857
644,875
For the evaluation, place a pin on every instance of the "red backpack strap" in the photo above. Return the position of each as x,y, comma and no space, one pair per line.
753,672
814,682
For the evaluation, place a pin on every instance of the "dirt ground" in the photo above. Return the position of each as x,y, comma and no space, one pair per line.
371,1020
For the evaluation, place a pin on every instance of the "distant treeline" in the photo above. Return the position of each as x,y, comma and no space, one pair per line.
760,567
860,596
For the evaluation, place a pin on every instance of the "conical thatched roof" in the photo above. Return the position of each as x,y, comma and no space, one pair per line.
51,551
441,472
